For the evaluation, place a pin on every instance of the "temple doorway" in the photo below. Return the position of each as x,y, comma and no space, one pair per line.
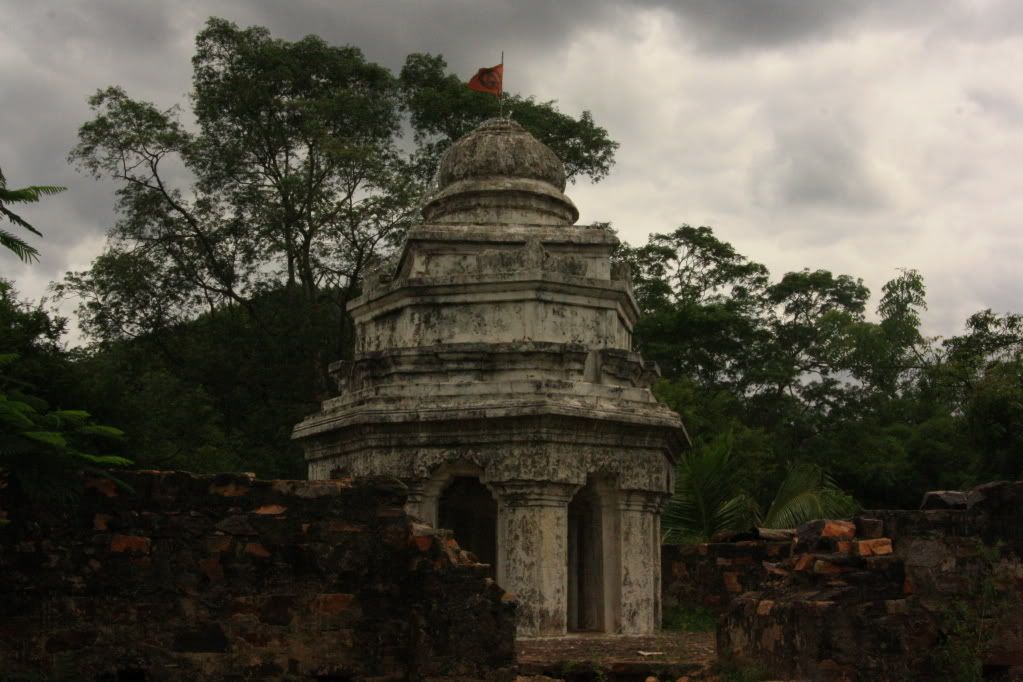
592,560
468,509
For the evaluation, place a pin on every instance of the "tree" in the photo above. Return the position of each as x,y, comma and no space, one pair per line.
22,249
296,181
43,444
702,303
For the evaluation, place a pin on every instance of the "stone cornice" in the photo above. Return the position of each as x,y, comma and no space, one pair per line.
532,493
512,286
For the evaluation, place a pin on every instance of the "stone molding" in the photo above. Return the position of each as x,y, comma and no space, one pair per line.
532,493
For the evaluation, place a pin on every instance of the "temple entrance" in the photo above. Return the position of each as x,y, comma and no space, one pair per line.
592,560
468,509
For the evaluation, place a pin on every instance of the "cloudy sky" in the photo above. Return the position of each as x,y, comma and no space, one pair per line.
858,136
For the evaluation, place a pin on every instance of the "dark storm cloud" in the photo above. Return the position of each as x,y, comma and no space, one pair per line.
730,25
465,31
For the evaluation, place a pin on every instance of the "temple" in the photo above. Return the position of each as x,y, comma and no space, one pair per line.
494,375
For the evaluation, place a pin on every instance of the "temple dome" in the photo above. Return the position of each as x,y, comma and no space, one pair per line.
499,173
500,147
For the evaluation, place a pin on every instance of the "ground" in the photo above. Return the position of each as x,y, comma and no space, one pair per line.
666,656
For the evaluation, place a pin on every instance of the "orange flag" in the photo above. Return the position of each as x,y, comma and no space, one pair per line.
488,80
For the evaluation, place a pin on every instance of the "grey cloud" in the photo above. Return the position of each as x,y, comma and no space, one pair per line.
819,164
1002,104
728,25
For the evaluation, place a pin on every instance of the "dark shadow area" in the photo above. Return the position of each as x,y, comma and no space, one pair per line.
468,509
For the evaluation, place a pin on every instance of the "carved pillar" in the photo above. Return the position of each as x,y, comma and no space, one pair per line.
532,551
640,519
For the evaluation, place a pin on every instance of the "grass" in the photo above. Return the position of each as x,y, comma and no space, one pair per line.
689,619
732,673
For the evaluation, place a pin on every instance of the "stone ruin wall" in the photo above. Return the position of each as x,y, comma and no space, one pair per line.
868,599
233,578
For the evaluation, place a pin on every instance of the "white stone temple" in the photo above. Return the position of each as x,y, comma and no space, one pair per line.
494,375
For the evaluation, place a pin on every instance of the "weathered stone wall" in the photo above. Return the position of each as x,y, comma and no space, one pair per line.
712,574
896,595
232,578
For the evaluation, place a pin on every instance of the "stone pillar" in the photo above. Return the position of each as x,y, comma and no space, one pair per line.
640,519
532,551
611,546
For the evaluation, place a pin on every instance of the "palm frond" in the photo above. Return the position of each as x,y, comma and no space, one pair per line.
24,251
708,498
18,220
806,493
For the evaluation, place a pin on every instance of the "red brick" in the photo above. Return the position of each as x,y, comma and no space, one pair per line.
804,562
132,544
217,543
823,567
101,521
270,509
332,603
229,489
732,583
844,547
876,547
257,550
212,569
841,530
342,526
764,607
423,542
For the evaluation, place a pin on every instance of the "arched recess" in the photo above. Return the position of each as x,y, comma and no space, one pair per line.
594,557
468,509
454,498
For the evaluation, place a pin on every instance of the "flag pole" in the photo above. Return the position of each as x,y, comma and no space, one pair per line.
500,97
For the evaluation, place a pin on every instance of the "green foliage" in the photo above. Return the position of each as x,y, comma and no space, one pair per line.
708,497
806,493
810,387
685,618
26,195
711,496
42,449
969,623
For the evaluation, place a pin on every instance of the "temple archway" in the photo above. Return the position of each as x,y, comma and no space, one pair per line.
467,508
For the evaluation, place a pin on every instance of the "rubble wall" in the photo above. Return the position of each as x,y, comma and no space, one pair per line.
893,595
712,574
232,578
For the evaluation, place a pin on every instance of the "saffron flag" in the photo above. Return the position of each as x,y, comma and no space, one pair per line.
488,80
